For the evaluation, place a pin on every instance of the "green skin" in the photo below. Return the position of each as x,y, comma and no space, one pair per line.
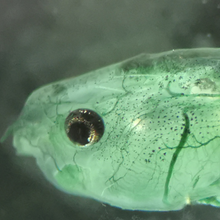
160,149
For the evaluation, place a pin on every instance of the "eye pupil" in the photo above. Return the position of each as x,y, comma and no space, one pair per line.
79,132
84,127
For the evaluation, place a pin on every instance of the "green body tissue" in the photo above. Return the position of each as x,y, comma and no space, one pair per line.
150,139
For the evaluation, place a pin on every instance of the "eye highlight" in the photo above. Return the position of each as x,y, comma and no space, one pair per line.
84,127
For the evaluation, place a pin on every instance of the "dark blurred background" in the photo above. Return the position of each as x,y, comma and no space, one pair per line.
42,41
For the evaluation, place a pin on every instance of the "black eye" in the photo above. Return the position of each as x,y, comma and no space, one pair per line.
84,127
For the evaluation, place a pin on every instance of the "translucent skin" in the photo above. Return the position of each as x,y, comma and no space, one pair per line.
161,146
